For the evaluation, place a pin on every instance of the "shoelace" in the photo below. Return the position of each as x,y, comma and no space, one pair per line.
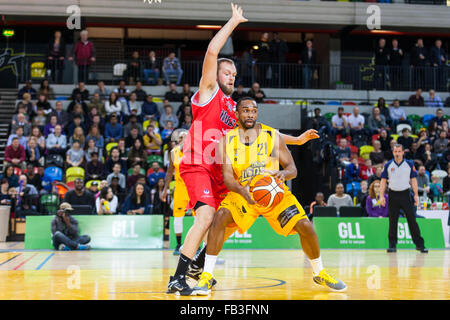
204,279
327,277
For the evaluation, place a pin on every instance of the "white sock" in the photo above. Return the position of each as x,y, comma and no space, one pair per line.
316,265
210,263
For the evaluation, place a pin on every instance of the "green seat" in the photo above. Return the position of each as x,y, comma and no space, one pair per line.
155,158
328,116
50,203
130,171
414,117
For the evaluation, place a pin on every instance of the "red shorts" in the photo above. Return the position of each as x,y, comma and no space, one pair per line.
203,184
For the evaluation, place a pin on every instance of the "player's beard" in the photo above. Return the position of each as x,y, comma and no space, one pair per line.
246,126
226,89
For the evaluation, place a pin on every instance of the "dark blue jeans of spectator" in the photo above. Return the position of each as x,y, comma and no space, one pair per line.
396,122
178,73
151,73
307,76
381,77
337,131
61,238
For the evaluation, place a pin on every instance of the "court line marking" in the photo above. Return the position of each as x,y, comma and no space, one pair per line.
10,259
281,282
45,261
14,244
18,266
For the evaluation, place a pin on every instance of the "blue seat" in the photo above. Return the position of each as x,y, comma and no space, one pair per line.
333,103
61,98
53,174
352,188
427,118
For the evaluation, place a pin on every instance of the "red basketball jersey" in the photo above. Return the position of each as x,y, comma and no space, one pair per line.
211,121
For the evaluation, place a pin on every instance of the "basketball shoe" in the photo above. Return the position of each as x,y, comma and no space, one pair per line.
203,287
324,279
179,286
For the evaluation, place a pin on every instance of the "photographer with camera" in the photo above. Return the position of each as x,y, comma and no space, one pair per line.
65,231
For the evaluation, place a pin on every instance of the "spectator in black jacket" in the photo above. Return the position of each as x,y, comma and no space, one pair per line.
95,169
279,49
263,56
395,61
82,90
134,68
308,62
28,88
418,59
152,68
256,93
438,59
381,64
80,196
56,54
172,94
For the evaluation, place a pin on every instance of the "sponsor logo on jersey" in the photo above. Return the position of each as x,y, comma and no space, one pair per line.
287,215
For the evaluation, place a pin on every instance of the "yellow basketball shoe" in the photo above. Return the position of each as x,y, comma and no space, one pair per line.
324,279
204,285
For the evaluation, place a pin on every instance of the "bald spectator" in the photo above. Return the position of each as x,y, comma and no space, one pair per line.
84,53
256,93
433,101
356,122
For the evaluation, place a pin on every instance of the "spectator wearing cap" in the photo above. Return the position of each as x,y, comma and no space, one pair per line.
80,196
113,129
28,88
95,169
65,231
398,115
405,140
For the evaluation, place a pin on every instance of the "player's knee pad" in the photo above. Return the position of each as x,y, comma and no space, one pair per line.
178,224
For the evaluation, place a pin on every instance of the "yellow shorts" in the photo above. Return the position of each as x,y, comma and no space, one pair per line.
281,218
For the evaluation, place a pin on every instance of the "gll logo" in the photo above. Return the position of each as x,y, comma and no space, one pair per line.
206,191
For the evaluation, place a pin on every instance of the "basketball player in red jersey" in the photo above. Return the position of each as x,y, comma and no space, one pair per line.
213,114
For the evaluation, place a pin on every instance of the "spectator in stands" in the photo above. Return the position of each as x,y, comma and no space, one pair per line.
20,110
262,54
97,121
187,122
423,181
80,196
27,198
137,202
25,106
440,144
117,189
123,150
140,93
376,175
395,62
373,207
136,174
133,107
172,95
429,158
256,93
117,174
433,100
62,117
134,134
432,131
15,154
78,135
439,118
384,110
159,207
102,90
416,100
134,68
367,170
113,105
95,169
356,123
78,100
438,59
137,154
113,129
122,92
318,201
362,195
152,141
93,188
33,177
28,88
422,139
55,54
150,109
376,121
308,61
19,135
168,115
76,122
319,123
339,123
167,131
46,90
343,153
82,90
56,142
97,103
32,152
107,202
78,112
339,199
94,134
405,140
90,149
5,197
133,122
186,92
352,171
113,159
40,139
414,154
377,155
185,107
172,67
44,104
279,49
64,230
436,189
156,173
84,53
75,155
238,93
446,182
381,58
152,67
418,59
8,174
398,115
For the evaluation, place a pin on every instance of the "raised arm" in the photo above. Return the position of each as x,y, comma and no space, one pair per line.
289,171
208,81
301,139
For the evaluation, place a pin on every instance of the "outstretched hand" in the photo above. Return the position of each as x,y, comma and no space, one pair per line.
238,14
310,134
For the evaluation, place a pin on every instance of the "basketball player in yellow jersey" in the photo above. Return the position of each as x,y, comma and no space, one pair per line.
247,151
180,196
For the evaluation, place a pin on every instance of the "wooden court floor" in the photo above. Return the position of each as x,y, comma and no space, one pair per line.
245,274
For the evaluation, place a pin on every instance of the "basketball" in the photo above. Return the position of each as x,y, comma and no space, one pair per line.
267,191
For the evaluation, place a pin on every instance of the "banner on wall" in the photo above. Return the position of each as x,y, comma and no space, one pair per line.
106,232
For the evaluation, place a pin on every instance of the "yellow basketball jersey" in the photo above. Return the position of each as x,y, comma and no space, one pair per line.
251,160
180,187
